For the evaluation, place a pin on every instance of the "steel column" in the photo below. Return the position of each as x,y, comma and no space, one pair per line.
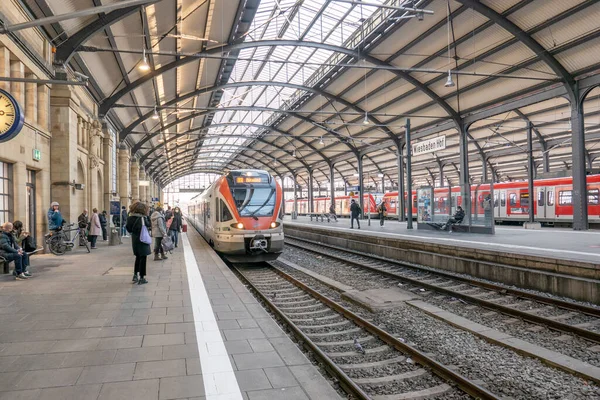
530,169
295,211
332,184
580,210
465,184
484,170
441,168
409,221
400,200
361,185
311,207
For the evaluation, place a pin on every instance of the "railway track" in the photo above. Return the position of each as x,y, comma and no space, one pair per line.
564,316
368,362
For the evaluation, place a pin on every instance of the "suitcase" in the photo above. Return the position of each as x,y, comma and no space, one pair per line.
184,228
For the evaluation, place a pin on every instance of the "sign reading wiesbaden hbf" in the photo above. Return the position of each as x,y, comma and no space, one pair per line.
429,146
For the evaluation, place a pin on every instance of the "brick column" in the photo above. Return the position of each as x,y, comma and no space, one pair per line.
17,89
143,189
135,181
107,143
4,67
20,191
123,175
31,100
43,98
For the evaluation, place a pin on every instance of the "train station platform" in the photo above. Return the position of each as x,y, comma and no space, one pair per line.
79,329
558,261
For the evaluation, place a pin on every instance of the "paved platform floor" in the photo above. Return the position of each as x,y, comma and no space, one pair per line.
559,243
80,330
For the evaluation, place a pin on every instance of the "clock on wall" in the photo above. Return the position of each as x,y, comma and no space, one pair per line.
11,116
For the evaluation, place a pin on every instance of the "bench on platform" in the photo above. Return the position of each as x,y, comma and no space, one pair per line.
4,264
318,215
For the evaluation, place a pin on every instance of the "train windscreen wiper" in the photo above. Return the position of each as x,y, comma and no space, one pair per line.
263,204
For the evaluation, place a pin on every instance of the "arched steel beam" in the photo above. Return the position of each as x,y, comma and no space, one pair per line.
199,139
240,164
66,49
138,146
151,171
527,40
129,129
108,103
184,168
541,140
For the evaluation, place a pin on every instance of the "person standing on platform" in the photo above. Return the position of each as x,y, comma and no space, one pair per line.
168,213
55,219
95,228
138,218
382,211
12,252
159,230
83,222
487,210
354,214
175,227
103,223
123,221
332,212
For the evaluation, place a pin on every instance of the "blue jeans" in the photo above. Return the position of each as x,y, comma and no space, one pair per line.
123,230
21,261
174,237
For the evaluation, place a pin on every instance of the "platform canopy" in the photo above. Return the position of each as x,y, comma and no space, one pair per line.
294,86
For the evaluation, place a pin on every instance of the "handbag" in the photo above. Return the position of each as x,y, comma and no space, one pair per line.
144,234
167,244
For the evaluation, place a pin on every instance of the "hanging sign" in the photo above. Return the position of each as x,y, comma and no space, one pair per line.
11,117
429,146
37,155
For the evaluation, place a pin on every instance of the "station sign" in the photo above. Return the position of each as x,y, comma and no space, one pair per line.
37,155
429,146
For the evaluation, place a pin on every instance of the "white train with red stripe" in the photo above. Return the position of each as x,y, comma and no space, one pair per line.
553,201
240,216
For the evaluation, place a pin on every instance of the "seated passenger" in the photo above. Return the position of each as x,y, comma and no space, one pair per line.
457,218
12,252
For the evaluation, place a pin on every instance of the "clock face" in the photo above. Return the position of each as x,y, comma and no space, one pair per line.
8,113
11,117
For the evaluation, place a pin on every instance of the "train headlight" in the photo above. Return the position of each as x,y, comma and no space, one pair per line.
273,224
239,225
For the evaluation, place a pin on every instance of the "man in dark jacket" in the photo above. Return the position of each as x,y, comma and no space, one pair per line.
12,252
459,215
124,221
82,222
103,223
354,214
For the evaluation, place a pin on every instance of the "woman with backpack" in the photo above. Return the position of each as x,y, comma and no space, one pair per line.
138,226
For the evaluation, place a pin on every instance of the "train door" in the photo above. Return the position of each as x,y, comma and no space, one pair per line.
550,203
502,208
540,211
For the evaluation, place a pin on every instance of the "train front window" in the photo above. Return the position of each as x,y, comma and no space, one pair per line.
254,202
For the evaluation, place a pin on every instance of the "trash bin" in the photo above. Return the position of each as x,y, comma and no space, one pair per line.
114,237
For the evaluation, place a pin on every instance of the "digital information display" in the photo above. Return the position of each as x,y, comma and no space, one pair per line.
250,179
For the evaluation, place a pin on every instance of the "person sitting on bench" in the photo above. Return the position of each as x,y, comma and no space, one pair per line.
457,218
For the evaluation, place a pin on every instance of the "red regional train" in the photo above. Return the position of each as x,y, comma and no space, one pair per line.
553,201
240,216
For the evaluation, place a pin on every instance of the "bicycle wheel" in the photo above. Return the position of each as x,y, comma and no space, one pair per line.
85,242
57,245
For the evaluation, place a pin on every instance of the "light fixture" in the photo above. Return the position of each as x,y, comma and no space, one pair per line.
144,66
420,15
449,82
366,120
155,114
321,142
294,154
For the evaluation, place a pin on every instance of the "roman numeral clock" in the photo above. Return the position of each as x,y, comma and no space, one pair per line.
11,117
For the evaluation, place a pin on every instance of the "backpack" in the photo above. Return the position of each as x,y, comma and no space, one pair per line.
167,244
29,244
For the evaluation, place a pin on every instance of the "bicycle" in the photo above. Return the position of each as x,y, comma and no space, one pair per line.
59,243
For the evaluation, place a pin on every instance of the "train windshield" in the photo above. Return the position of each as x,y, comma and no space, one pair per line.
254,201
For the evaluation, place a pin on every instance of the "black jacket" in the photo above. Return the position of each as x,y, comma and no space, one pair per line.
355,209
8,244
102,218
176,223
83,220
459,215
134,227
